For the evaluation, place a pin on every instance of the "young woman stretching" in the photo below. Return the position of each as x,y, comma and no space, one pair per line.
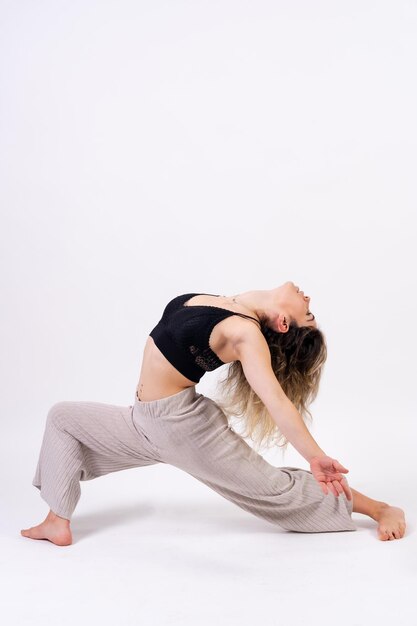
275,353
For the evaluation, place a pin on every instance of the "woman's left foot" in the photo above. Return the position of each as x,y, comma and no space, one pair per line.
391,523
54,528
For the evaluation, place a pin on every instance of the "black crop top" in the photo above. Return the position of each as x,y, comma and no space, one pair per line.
183,335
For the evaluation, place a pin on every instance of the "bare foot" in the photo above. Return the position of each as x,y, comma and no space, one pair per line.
391,523
54,528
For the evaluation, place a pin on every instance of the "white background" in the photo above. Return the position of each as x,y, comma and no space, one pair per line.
154,148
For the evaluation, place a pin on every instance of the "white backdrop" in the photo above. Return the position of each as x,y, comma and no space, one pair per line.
154,148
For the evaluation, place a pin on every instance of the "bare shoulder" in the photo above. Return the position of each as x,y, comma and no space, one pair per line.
243,331
248,340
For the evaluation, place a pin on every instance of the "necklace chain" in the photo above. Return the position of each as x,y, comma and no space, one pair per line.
234,300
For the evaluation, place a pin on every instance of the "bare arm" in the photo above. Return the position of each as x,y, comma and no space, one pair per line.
253,352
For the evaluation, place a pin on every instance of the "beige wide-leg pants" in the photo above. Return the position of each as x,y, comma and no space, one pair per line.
84,440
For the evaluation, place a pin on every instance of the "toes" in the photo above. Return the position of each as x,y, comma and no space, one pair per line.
384,534
32,533
400,531
390,534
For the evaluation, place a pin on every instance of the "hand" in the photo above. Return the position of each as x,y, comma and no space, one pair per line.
327,472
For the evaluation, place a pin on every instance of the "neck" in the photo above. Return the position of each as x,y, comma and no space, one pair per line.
259,302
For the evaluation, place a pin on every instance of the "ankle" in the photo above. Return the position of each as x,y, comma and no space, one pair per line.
53,517
380,507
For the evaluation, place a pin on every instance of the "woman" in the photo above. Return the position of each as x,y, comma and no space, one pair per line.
275,353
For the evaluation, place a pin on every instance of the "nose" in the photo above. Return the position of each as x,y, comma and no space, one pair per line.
302,292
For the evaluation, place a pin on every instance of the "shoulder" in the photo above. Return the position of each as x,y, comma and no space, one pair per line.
245,332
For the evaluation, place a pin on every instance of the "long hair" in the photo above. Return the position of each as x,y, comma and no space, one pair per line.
297,359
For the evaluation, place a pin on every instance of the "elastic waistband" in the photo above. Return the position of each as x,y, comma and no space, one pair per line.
172,403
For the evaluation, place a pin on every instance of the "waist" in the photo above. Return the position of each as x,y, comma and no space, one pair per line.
169,404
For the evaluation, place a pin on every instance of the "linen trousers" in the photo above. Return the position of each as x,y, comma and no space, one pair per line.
85,440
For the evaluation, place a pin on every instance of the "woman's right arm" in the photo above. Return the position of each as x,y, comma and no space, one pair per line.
252,351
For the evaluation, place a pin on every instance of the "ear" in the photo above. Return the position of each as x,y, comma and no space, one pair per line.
281,324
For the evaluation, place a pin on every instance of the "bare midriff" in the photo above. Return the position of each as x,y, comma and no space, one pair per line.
160,379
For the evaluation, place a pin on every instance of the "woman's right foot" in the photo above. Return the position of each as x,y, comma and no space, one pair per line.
54,528
391,522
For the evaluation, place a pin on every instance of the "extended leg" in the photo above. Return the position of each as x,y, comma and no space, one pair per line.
199,442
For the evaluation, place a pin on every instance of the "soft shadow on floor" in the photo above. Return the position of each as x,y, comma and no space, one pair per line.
164,517
192,519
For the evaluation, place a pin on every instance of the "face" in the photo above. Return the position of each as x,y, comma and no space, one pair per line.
293,305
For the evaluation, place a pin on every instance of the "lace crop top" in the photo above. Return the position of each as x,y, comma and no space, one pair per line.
183,335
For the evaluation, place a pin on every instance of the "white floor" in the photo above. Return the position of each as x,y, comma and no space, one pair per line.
154,546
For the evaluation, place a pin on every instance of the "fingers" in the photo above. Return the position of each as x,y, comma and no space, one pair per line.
324,488
330,487
339,467
336,488
346,488
335,482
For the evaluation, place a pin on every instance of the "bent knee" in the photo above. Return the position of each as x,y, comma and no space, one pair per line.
58,414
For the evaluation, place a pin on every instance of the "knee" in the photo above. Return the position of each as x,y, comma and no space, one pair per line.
57,414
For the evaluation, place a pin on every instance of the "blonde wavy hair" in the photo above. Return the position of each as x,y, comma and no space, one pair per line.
297,359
